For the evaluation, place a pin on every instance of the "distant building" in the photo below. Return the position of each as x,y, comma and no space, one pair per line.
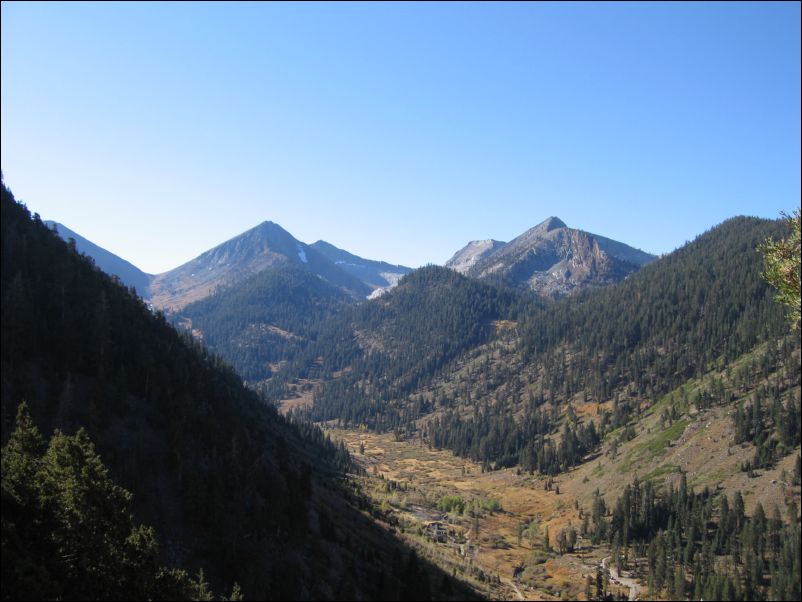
437,531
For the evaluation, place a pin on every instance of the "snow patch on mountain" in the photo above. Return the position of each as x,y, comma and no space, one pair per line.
392,278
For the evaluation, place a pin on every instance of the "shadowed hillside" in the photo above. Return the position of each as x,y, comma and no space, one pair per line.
229,485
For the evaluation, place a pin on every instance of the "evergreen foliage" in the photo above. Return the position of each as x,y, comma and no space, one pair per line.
692,311
492,435
235,489
783,259
692,547
701,305
396,344
268,318
773,427
70,528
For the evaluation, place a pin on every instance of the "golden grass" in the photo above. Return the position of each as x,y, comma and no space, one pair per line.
304,396
430,474
500,325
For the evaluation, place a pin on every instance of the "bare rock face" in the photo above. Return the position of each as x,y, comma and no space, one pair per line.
552,260
467,257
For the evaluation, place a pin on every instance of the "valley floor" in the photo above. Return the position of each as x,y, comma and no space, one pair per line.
407,479
508,559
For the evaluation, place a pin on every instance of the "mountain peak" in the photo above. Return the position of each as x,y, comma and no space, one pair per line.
267,226
551,259
266,245
551,223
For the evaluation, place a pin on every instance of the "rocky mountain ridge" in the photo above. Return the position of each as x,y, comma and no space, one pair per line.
551,259
378,274
265,246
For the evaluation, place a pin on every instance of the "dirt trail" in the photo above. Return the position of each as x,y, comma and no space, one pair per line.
634,588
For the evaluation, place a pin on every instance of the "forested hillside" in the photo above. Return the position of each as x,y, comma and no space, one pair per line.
270,317
690,313
700,545
685,377
68,531
702,304
228,485
392,346
197,471
129,274
449,347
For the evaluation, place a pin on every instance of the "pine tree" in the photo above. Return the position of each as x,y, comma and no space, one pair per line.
677,590
202,592
67,528
562,542
236,594
26,567
599,584
783,267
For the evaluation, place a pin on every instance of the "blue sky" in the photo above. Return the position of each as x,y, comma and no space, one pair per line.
398,131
